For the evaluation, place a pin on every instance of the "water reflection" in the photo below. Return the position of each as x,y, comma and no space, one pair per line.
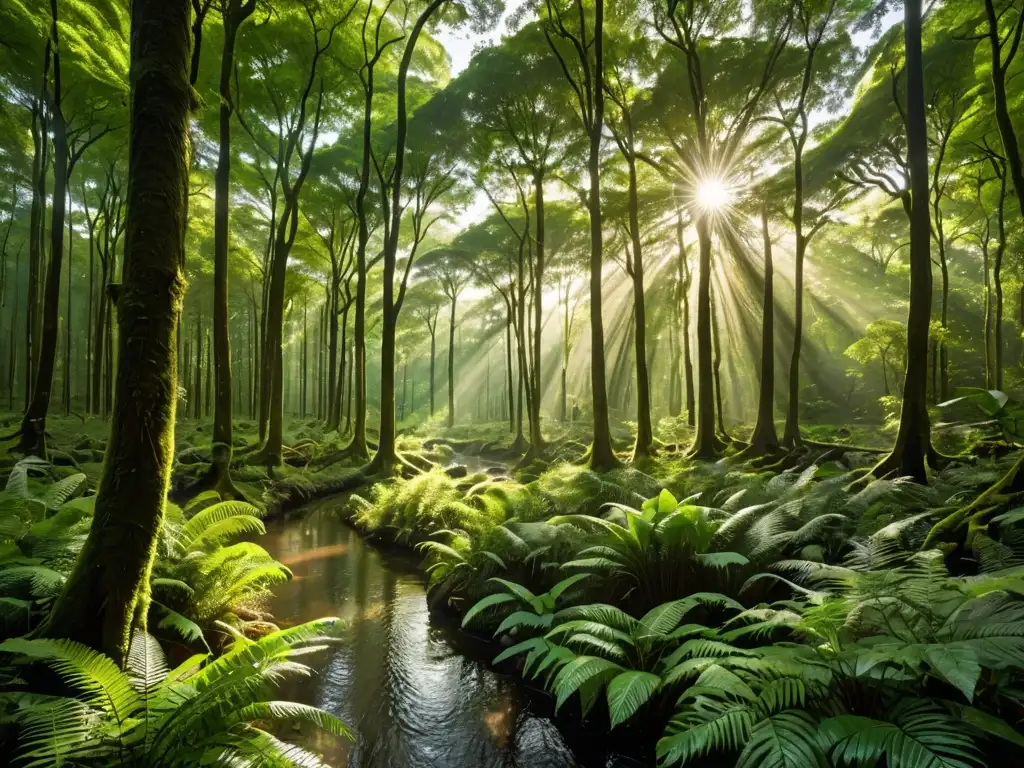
396,679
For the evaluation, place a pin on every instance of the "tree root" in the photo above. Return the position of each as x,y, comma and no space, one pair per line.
216,477
962,526
845,448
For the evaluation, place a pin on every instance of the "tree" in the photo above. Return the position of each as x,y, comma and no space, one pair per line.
820,32
107,593
583,68
913,440
448,269
73,134
426,302
886,342
720,113
293,143
623,92
764,439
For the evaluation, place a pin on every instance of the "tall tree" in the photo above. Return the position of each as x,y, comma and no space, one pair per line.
720,113
575,34
913,447
107,593
233,14
71,138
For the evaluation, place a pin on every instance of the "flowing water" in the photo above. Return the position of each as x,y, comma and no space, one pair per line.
417,692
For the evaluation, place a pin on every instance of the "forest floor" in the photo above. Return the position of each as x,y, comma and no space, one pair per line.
532,550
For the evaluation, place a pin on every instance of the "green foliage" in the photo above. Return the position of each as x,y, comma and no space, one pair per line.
904,664
412,510
204,711
650,555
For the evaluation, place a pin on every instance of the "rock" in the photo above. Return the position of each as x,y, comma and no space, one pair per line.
457,471
495,471
84,444
239,442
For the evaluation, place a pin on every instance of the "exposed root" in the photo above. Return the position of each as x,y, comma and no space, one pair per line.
217,476
844,448
960,527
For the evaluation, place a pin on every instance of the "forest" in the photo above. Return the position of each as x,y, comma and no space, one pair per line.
542,383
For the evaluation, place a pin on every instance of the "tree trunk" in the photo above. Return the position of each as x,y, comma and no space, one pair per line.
108,361
12,352
107,593
339,382
536,438
602,456
349,393
999,69
705,443
433,357
197,383
717,347
234,14
451,366
98,344
209,368
40,132
791,433
405,387
913,440
333,382
942,348
764,439
33,426
644,431
67,322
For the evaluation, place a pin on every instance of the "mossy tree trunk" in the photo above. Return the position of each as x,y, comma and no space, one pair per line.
107,592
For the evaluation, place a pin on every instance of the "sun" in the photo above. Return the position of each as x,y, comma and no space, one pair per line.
713,195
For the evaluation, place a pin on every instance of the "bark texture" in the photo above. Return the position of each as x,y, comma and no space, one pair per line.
107,593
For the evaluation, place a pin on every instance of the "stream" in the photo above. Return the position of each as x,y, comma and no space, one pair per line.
416,691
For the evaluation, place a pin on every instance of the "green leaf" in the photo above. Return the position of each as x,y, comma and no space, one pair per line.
721,559
986,723
955,663
628,692
786,740
579,671
83,668
518,619
556,591
484,603
521,592
918,736
532,644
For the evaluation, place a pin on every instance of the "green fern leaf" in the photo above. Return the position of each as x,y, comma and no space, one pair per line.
786,740
484,603
81,667
628,692
577,672
918,736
